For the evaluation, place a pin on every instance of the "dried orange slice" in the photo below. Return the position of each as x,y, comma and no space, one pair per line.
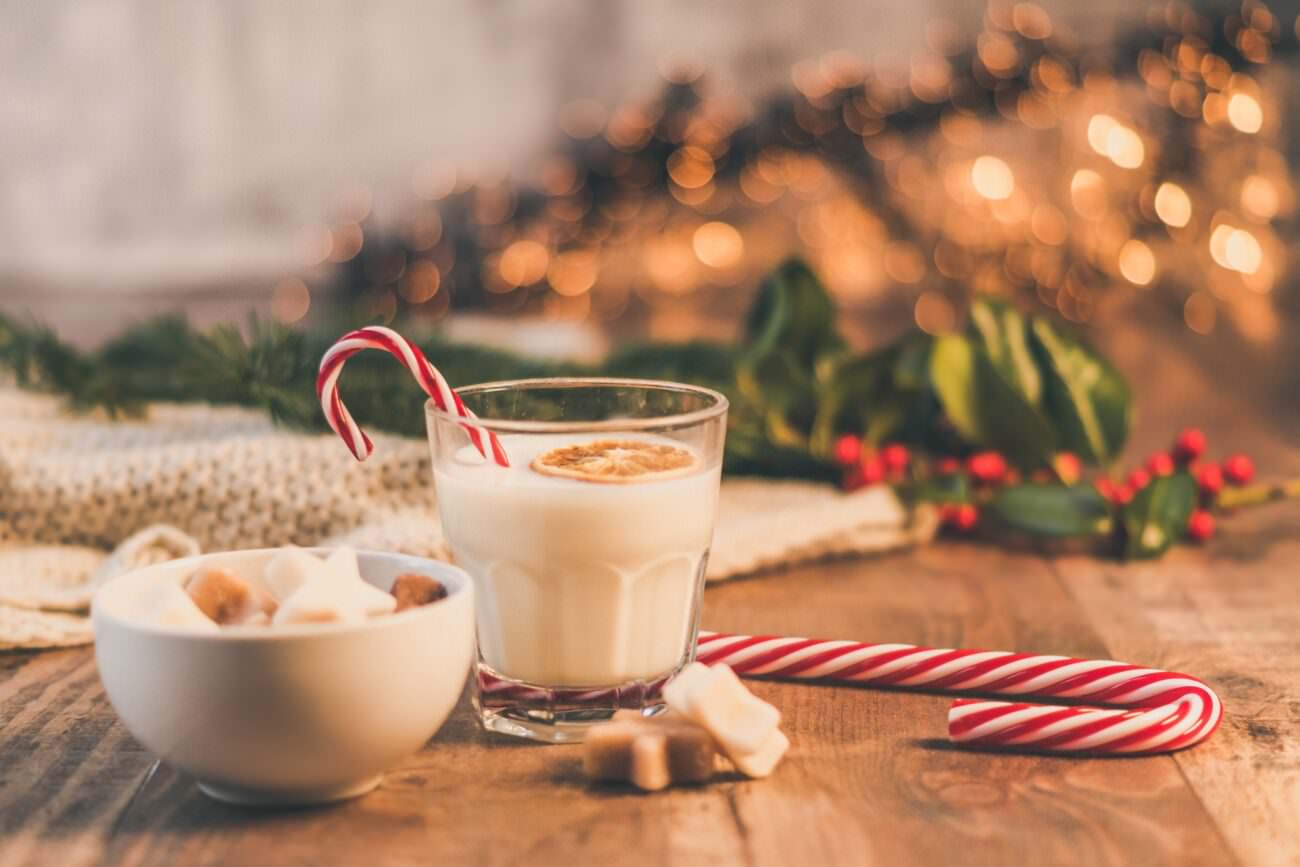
615,461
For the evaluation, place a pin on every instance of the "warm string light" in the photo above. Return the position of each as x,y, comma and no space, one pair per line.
1013,164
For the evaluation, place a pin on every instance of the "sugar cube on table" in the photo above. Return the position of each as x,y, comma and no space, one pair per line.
228,599
716,699
650,753
166,604
762,761
745,726
412,590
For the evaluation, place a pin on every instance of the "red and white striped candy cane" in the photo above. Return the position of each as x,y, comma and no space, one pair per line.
428,377
1152,711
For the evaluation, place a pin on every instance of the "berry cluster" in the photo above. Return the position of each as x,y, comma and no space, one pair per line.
863,464
1187,452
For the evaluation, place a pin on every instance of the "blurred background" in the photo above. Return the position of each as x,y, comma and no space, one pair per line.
581,173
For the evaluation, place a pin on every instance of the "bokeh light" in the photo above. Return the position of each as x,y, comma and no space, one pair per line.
992,178
718,245
1173,205
1137,263
1244,113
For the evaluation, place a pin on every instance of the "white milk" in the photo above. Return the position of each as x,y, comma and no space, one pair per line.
580,583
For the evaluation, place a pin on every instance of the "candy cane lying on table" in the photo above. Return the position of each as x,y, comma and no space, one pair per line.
428,377
1165,711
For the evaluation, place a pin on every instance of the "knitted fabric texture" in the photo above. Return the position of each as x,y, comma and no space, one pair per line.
74,488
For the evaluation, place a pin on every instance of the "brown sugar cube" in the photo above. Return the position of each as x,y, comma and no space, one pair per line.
649,770
412,590
228,599
650,753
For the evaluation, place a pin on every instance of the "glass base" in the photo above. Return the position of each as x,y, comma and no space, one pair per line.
558,715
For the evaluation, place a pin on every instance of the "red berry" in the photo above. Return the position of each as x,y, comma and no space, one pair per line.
1124,494
852,479
1209,478
896,457
965,518
1160,464
947,466
1068,467
1200,526
873,469
1138,479
1238,469
847,450
1105,487
1189,445
987,467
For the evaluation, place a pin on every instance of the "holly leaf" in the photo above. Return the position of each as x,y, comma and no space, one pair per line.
1052,510
793,313
984,407
1157,516
1085,397
953,488
854,386
1000,330
784,392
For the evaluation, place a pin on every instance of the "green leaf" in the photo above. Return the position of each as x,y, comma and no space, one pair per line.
1001,331
1052,510
1086,398
1157,516
954,488
985,408
784,392
854,386
793,313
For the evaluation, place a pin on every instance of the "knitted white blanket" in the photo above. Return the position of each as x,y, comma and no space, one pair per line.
73,488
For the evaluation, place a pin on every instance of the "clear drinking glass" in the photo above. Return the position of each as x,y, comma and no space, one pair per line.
589,561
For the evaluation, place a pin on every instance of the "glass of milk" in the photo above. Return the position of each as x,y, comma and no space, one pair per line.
588,551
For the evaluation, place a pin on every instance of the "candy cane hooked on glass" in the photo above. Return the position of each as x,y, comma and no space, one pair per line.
1152,711
428,377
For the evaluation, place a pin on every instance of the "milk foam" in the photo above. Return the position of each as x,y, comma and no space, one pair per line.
580,583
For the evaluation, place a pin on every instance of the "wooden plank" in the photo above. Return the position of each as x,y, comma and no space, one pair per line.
870,778
67,767
1229,612
1233,622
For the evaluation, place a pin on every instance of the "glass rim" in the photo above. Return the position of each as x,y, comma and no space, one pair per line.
719,406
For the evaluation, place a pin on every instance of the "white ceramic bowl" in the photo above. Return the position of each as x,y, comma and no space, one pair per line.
289,714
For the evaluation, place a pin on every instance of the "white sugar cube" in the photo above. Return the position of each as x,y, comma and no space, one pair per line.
342,564
341,567
290,569
370,599
715,698
166,604
763,760
320,600
343,597
678,691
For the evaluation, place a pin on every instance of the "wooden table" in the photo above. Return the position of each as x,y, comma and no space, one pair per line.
870,779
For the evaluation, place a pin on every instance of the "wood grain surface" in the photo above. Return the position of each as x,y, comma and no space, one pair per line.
870,778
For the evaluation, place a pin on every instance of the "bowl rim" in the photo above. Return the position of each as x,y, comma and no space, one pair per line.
288,631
